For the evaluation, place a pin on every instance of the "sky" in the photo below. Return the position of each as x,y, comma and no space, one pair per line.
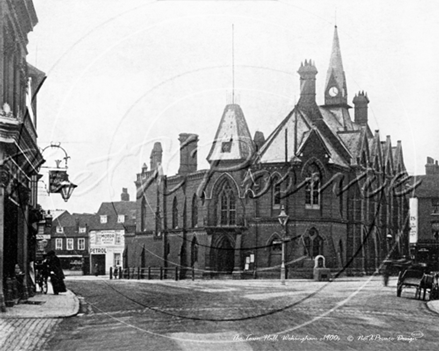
123,74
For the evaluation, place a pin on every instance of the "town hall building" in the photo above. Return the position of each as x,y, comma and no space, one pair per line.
340,184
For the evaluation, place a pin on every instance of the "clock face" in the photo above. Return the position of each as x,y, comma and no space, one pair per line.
333,91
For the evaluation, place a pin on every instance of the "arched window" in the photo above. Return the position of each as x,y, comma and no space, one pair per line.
313,197
313,243
194,251
143,214
276,193
175,218
275,252
194,212
227,205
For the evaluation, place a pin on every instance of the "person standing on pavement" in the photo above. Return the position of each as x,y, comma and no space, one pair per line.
56,273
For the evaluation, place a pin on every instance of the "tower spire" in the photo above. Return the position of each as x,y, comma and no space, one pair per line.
335,85
233,67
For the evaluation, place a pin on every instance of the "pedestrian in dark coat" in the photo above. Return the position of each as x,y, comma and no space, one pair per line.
56,273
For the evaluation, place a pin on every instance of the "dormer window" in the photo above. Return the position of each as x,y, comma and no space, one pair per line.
103,218
226,146
82,230
121,218
60,229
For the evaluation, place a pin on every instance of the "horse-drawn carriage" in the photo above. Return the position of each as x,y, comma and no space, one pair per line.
419,277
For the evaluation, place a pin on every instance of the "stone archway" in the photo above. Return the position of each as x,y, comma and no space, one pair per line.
224,256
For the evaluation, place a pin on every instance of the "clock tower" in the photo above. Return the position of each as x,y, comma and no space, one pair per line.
336,86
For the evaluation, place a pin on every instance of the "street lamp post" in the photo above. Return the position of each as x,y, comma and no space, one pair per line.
283,218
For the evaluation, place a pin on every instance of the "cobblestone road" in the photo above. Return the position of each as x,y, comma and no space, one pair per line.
37,333
245,315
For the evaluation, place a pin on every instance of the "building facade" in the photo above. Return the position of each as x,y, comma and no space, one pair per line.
108,229
20,157
69,239
340,184
423,236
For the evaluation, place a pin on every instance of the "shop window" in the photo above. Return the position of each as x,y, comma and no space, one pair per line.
117,259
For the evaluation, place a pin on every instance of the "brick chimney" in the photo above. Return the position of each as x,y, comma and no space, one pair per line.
156,156
307,100
307,73
188,153
125,196
360,102
258,140
431,166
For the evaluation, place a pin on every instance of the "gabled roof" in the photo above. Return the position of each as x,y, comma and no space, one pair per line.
83,219
429,187
292,134
352,140
112,210
274,149
337,118
232,140
399,165
376,155
388,156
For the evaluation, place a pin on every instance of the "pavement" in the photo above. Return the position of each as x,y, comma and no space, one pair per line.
44,306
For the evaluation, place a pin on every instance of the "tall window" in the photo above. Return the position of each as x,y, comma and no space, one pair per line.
194,251
175,219
143,213
81,244
313,243
69,244
227,205
58,243
194,212
313,198
276,193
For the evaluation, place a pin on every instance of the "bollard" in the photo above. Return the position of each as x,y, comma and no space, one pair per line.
111,273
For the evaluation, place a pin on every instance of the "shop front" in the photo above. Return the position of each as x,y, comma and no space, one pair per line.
106,249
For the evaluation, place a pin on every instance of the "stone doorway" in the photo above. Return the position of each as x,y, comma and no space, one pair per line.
224,256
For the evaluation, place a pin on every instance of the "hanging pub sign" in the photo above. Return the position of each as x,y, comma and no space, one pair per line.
55,179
